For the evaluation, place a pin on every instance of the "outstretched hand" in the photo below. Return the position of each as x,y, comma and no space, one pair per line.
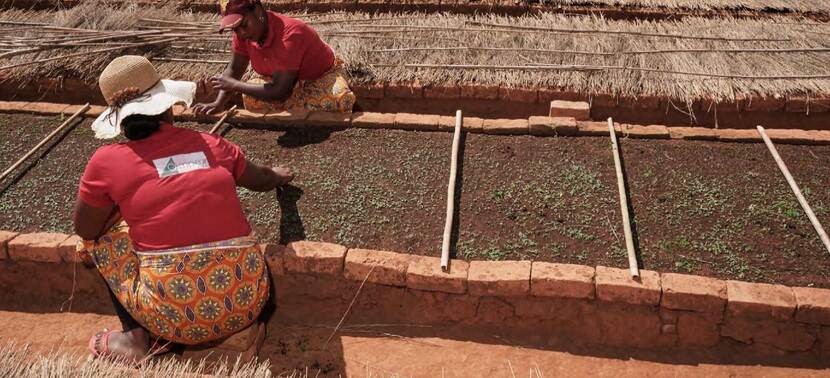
207,108
284,175
223,83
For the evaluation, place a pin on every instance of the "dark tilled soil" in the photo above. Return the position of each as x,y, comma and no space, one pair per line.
725,210
715,209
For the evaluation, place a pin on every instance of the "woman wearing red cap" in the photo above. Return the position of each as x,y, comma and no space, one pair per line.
297,69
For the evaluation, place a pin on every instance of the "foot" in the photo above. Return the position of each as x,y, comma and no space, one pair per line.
131,345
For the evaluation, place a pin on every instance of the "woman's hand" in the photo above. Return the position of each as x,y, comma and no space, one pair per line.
284,175
223,83
208,108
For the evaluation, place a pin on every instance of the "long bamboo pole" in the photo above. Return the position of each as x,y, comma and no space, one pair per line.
46,139
222,120
798,195
629,239
86,53
445,244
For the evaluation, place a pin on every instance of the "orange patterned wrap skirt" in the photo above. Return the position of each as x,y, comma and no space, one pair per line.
188,295
329,93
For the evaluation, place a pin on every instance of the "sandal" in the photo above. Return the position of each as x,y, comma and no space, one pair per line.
99,343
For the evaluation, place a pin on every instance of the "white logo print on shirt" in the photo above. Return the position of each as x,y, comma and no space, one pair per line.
178,164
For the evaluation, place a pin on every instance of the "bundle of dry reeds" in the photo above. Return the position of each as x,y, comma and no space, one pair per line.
715,58
20,361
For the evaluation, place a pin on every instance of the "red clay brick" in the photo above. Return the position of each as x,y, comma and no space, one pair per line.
576,109
68,248
546,95
640,103
645,132
738,135
549,126
695,330
314,257
367,120
442,92
759,301
590,128
603,101
616,285
764,104
389,267
813,305
424,273
39,247
328,119
693,293
5,236
797,105
409,121
404,90
499,278
789,136
373,91
518,94
275,258
471,124
293,118
505,126
480,92
825,341
562,280
790,337
693,133
819,136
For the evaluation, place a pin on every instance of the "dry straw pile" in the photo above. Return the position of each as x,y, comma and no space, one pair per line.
687,59
18,361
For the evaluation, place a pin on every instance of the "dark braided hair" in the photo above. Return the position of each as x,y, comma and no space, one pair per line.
140,126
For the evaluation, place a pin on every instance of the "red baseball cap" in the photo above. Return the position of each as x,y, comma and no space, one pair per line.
232,12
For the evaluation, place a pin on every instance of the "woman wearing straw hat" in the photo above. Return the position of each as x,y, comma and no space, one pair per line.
182,267
297,69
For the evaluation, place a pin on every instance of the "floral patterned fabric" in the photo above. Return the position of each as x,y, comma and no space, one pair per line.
185,295
329,93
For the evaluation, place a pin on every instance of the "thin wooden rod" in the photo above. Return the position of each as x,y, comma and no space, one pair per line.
622,32
798,195
186,60
46,139
576,67
445,244
629,239
601,53
85,53
222,120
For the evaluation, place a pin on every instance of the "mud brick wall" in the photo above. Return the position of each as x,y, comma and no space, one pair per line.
565,122
316,282
507,102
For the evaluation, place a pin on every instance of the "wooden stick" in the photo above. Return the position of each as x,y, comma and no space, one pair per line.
445,244
790,180
593,53
620,32
629,239
222,120
86,53
574,67
46,139
349,309
185,60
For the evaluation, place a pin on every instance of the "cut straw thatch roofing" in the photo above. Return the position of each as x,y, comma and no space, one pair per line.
791,5
688,59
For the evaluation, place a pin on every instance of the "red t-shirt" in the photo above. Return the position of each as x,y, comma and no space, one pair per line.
175,188
290,45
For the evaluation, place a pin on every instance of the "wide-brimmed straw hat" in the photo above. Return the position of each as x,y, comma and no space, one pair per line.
131,85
